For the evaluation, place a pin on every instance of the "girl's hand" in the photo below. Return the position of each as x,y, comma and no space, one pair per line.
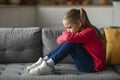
68,30
71,30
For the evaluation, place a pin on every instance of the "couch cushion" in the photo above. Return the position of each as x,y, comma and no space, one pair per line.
117,68
17,71
112,45
49,37
20,44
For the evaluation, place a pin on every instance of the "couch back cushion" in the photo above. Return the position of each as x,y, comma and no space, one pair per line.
20,44
49,36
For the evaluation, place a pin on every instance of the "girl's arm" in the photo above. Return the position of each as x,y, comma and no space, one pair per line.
86,35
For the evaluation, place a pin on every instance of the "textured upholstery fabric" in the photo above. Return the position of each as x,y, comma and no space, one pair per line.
112,45
49,37
20,44
117,68
17,71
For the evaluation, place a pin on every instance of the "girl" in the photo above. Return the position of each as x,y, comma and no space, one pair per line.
81,40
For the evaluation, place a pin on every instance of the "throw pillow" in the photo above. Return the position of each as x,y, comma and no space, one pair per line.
112,45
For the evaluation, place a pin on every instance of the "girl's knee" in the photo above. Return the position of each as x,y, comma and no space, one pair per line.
71,44
66,43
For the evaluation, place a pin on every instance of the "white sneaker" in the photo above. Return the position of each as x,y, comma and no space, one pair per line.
43,69
33,66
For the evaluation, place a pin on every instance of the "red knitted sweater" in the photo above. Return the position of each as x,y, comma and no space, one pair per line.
90,42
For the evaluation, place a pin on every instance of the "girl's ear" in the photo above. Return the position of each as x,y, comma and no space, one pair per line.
80,24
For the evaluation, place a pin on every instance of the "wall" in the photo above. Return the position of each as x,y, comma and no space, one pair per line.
116,13
17,16
52,16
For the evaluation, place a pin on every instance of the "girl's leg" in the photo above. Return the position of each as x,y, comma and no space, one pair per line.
36,64
55,56
52,52
81,59
60,53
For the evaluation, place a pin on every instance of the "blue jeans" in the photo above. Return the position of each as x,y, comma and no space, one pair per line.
80,57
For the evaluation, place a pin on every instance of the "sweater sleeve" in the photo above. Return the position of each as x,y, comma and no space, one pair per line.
61,39
86,35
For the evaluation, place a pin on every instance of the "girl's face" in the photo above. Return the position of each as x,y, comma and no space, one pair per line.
72,27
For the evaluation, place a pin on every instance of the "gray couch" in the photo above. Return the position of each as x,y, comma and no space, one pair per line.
20,47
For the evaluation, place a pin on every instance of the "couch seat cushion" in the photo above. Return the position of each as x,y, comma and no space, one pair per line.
17,71
117,68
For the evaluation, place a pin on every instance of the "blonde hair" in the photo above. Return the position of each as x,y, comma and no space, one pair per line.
73,15
76,15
